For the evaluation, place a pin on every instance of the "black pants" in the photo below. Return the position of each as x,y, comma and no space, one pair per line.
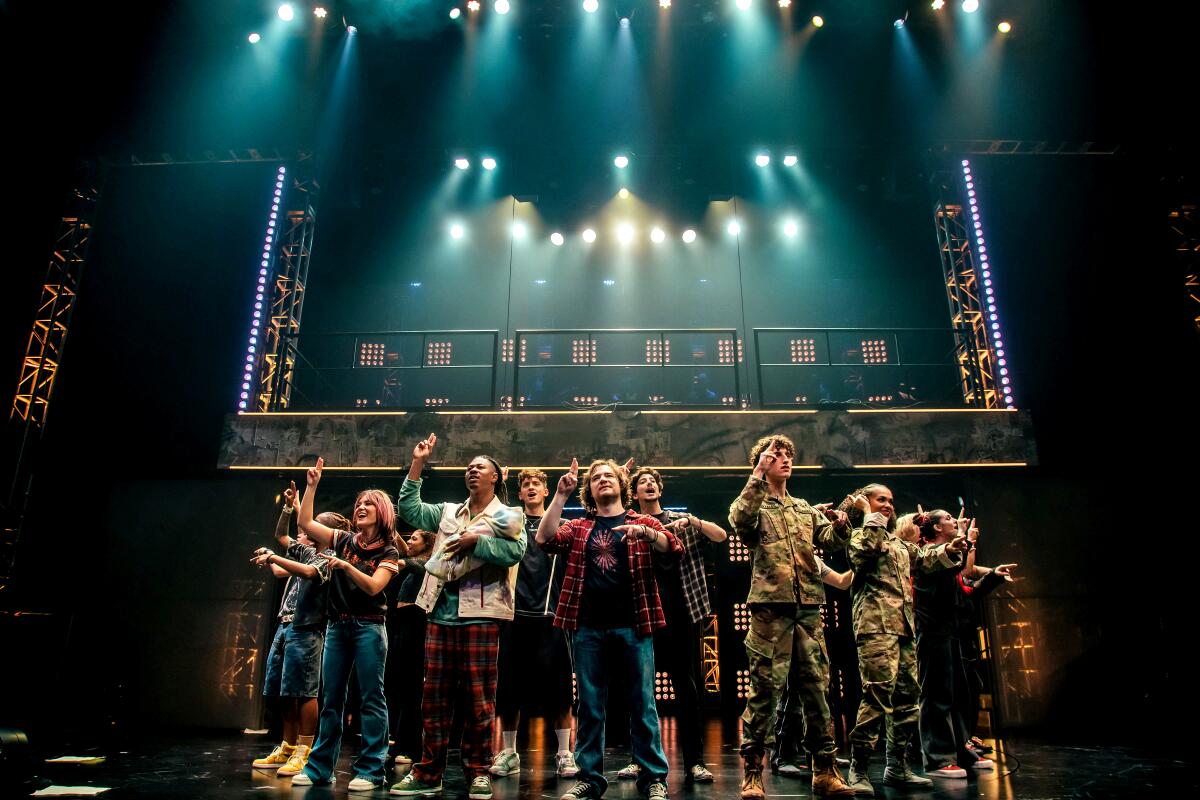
677,652
944,691
404,678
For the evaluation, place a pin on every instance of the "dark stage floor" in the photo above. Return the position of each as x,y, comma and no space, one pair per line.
219,767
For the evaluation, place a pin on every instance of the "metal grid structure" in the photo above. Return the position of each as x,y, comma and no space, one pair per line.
710,655
973,354
1184,224
292,256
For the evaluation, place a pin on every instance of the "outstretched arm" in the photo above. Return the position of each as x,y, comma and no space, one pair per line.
548,527
321,535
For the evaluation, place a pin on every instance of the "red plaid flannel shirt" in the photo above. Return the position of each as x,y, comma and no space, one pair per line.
572,537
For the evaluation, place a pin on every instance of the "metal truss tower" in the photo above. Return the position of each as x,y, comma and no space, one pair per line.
1184,222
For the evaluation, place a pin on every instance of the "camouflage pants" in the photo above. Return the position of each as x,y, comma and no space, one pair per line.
789,727
888,666
785,639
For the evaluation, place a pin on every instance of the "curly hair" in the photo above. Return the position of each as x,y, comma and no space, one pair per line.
767,442
856,516
530,474
907,528
585,484
332,519
637,475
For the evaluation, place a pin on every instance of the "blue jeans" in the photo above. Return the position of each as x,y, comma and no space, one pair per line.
619,652
352,644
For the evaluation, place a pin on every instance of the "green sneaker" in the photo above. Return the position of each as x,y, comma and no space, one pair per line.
481,788
506,762
412,786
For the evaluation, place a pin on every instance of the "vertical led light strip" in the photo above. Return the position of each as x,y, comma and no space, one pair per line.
253,353
993,317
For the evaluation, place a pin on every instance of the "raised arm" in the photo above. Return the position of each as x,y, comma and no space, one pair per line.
866,542
743,512
291,502
321,535
831,527
424,516
548,527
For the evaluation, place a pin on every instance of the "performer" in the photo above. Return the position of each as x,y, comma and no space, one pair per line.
683,591
294,662
785,603
611,605
405,674
356,637
882,610
535,656
481,541
942,610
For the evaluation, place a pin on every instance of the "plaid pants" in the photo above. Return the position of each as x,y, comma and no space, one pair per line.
460,672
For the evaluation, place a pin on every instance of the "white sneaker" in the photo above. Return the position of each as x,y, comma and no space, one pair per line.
629,773
948,771
564,764
506,762
361,784
302,779
403,759
984,763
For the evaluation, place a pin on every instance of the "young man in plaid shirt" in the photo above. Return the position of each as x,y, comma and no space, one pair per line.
611,605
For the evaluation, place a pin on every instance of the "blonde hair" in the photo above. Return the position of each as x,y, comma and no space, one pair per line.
585,484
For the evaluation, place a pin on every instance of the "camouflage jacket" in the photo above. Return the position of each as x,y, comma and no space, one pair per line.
781,535
882,592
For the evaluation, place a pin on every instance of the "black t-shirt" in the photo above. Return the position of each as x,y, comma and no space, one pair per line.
607,600
344,595
940,603
669,580
540,578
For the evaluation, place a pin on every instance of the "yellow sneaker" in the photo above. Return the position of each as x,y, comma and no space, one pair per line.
296,763
279,756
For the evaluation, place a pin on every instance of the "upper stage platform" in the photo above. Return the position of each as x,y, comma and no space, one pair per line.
715,441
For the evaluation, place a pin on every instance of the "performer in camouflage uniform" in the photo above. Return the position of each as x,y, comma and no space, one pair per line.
884,626
785,603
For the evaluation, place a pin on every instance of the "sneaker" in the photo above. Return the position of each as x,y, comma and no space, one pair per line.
700,774
857,779
295,764
361,784
904,776
979,746
412,786
629,773
403,760
656,791
984,763
506,762
948,771
564,764
302,779
580,791
481,788
752,785
789,770
279,756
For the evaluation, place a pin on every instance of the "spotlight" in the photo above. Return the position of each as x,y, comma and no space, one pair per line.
473,6
734,228
1004,27
762,159
790,160
818,21
455,13
502,7
938,5
488,163
664,3
744,5
624,22
623,194
791,228
621,162
625,233
590,6
462,163
970,6
320,13
518,230
350,29
785,3
254,38
898,24
286,12
589,235
457,231
658,236
689,236
556,239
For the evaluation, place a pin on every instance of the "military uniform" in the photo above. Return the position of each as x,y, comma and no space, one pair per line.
884,626
785,600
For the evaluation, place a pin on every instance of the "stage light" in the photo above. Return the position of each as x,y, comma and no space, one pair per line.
624,22
625,233
785,3
970,6
791,228
938,5
502,7
254,38
589,235
518,230
286,12
1004,27
462,163
790,160
762,159
455,13
351,30
457,231
473,6
658,235
488,163
734,228
689,236
320,13
744,5
621,162
623,194
664,3
556,239
609,282
590,6
898,24
818,21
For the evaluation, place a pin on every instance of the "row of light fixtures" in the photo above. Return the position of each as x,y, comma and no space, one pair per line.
626,233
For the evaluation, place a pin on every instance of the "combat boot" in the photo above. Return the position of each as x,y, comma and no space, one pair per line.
827,780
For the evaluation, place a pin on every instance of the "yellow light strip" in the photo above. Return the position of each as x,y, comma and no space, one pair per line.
322,414
942,466
931,410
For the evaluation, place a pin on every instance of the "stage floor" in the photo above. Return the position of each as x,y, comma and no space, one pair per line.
219,767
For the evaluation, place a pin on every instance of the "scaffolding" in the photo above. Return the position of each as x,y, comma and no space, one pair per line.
710,655
1184,224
